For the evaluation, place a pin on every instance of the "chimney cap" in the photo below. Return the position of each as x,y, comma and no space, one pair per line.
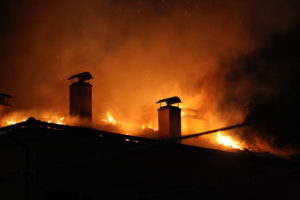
5,95
4,99
82,76
170,100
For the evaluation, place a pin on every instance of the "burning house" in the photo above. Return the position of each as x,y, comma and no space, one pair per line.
234,63
43,161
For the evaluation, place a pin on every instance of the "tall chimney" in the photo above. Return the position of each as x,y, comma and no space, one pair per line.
81,98
169,118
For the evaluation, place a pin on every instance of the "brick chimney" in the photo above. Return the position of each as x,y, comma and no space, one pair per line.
81,98
169,118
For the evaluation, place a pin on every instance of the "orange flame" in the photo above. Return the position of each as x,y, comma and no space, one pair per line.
59,120
17,117
110,119
228,141
11,121
149,126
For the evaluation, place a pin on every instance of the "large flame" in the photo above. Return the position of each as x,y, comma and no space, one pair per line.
125,127
59,120
11,121
149,126
112,123
17,117
228,141
109,119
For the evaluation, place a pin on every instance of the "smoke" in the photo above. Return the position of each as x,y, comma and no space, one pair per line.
268,77
139,52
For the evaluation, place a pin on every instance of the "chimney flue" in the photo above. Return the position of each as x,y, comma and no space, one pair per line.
81,98
169,118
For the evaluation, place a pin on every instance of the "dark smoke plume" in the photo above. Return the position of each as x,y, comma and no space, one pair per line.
266,82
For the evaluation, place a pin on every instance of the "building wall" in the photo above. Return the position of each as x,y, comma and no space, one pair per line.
175,122
163,123
12,181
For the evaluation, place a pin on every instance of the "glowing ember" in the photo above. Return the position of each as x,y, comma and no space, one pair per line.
10,122
17,118
149,126
125,127
109,119
227,141
60,120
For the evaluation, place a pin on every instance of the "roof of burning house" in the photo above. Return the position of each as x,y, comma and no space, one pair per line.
39,128
99,164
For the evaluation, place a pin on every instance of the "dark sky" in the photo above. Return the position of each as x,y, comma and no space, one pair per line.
231,60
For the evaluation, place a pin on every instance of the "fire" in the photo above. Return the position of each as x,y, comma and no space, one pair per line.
227,141
10,122
126,127
60,120
149,126
110,119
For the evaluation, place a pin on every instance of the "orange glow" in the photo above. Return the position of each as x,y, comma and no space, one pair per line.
109,119
10,122
60,120
130,78
182,113
149,126
17,117
228,141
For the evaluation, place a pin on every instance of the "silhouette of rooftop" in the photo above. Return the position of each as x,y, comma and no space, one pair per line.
170,100
71,162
